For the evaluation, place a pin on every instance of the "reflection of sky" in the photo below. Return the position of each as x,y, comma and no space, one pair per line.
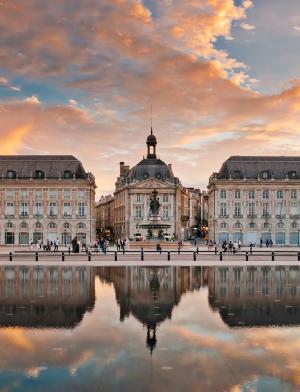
195,351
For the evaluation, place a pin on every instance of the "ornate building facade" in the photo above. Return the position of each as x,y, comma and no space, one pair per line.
45,197
131,200
256,199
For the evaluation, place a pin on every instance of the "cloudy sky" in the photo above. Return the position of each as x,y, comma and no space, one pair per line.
78,77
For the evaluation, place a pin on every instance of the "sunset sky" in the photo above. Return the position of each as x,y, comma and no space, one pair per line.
78,77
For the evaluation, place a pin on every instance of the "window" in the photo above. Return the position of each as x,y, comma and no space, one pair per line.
252,225
158,176
9,225
223,225
10,210
294,225
38,194
165,212
265,174
81,193
81,209
265,209
38,225
52,193
165,198
223,209
223,194
38,208
52,208
294,208
265,194
66,225
238,174
39,174
23,225
138,198
237,209
292,174
24,194
67,194
280,194
266,225
52,225
280,225
67,209
138,211
11,174
24,208
237,194
280,209
252,194
81,225
68,174
293,194
10,193
251,208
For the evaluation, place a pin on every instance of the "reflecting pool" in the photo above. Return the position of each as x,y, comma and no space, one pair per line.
149,329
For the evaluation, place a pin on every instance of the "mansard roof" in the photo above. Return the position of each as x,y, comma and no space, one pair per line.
52,166
266,167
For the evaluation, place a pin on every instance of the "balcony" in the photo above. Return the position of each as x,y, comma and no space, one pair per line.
237,216
223,216
294,216
266,215
251,216
67,216
138,218
38,216
52,216
280,216
24,216
10,216
81,216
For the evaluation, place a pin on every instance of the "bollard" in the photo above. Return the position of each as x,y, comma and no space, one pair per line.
89,256
298,256
10,256
169,256
69,250
247,256
36,256
116,256
179,250
142,254
62,256
273,256
197,250
194,256
221,256
160,250
216,250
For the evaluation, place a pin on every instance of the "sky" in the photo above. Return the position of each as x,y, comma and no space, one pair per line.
79,77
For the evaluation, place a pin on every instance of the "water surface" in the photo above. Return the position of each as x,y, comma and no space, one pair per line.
149,329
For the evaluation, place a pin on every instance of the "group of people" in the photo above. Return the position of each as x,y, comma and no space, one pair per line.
269,243
48,246
122,244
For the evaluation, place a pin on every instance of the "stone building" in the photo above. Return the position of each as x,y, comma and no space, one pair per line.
44,197
133,189
105,216
256,199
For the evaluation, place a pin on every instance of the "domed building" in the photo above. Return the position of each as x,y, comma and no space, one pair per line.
133,190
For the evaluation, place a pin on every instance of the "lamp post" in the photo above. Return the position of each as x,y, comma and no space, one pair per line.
65,237
298,237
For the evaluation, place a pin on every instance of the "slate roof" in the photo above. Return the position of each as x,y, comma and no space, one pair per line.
252,167
151,168
53,166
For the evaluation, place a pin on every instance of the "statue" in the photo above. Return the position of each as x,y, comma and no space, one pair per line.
154,203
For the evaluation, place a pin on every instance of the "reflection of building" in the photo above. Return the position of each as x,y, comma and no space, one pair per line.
255,198
256,296
43,297
131,198
150,294
44,197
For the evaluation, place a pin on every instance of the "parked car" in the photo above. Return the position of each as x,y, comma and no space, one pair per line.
138,237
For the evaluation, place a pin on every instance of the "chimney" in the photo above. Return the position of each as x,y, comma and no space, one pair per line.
170,167
121,168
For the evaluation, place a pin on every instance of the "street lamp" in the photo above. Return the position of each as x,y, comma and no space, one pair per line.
298,237
65,237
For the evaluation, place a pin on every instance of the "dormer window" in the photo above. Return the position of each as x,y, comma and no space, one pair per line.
39,174
265,175
292,174
68,174
158,176
11,174
237,174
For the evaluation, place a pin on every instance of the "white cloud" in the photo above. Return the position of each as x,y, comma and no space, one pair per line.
15,88
3,81
247,26
73,102
33,99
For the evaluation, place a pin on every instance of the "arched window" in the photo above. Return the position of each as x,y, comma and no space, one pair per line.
280,225
38,225
266,225
252,225
9,225
158,176
81,225
52,225
223,225
237,174
294,225
237,225
292,174
39,174
68,174
66,225
11,174
23,225
265,174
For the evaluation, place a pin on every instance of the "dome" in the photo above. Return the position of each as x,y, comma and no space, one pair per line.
151,168
151,139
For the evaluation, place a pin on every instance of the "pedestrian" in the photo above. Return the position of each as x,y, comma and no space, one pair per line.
271,243
235,247
230,247
239,245
118,244
267,243
251,246
261,243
